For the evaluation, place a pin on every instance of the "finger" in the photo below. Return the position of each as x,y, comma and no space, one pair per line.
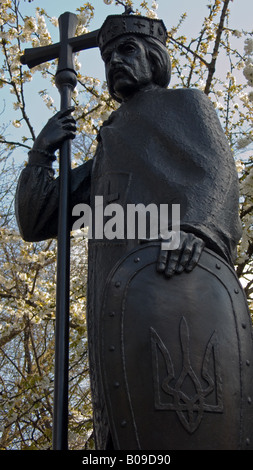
60,115
184,258
69,135
162,260
65,112
174,259
69,126
66,120
186,252
197,250
172,263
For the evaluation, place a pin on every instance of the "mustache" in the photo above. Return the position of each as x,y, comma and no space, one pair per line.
126,70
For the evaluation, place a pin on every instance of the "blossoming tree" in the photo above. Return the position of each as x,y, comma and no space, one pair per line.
27,278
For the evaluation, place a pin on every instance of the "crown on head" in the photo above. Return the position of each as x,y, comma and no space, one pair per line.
120,25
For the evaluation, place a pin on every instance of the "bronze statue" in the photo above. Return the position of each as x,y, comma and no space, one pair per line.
170,339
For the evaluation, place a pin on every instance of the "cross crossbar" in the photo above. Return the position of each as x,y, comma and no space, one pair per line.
37,55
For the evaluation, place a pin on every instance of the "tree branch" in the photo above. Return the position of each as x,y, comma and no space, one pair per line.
211,66
187,48
16,144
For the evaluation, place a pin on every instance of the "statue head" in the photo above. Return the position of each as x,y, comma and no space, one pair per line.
135,54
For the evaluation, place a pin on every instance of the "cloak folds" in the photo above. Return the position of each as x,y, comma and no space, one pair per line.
167,146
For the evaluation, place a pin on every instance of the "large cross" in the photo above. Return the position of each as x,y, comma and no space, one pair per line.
66,81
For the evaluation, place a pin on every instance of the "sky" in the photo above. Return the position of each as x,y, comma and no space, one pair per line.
168,10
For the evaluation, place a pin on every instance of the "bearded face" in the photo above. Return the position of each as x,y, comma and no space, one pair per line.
127,67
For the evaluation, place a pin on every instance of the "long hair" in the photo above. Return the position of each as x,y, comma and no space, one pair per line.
159,57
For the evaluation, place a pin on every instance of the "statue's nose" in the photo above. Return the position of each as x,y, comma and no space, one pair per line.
116,58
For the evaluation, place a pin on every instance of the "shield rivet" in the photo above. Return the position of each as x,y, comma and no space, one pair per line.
247,441
116,384
123,423
117,284
137,260
112,314
112,348
244,325
249,400
247,363
236,291
218,266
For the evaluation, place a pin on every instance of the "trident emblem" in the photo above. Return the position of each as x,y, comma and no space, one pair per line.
186,394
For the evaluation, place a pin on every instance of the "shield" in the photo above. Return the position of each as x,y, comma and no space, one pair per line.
176,356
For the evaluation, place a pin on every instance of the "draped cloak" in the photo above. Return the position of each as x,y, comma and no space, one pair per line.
160,147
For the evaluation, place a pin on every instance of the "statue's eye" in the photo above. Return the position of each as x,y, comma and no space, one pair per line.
128,48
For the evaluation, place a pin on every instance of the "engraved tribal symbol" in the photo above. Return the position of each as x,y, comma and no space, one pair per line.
186,394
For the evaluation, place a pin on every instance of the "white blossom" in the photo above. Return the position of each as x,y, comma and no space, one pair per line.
248,46
48,101
152,14
219,93
27,76
42,30
12,33
78,64
83,17
232,78
23,276
237,33
239,166
218,105
17,106
154,5
248,73
244,142
54,21
240,65
16,123
30,24
4,35
244,97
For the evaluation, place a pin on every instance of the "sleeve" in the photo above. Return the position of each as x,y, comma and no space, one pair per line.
37,198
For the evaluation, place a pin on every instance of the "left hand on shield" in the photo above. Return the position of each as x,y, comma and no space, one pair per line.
184,258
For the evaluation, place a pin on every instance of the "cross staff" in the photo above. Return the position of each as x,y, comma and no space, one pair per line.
65,80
